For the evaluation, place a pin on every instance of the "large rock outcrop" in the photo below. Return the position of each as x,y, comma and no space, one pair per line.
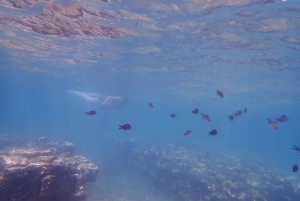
44,171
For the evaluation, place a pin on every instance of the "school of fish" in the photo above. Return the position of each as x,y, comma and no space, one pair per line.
214,132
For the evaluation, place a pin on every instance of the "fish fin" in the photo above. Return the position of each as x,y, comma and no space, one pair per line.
296,148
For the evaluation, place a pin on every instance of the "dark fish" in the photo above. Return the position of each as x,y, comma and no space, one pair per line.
173,115
282,118
231,117
272,124
245,110
91,113
195,111
47,104
213,132
186,133
125,127
206,117
296,148
238,113
220,94
295,168
151,105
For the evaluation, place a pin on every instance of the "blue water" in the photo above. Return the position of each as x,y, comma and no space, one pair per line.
176,60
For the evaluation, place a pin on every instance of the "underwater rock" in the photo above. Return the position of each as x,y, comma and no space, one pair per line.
44,171
188,175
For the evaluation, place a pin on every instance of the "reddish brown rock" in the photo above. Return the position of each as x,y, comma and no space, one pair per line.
45,171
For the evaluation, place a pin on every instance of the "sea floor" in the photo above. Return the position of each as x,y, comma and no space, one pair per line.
122,185
168,175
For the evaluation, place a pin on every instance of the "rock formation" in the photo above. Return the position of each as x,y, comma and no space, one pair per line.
44,171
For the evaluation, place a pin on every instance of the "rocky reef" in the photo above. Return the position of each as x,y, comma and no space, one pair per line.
44,171
189,175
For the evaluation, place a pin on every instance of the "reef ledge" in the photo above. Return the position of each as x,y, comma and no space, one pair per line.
44,171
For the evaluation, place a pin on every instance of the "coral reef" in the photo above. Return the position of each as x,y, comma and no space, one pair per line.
189,175
44,171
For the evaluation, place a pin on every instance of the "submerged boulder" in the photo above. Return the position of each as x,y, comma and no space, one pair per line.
44,171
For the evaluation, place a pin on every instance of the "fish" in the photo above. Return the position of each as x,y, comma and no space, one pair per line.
195,111
220,94
272,124
238,113
125,127
91,113
231,117
296,148
213,132
186,133
173,115
206,117
295,168
245,110
282,118
151,105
